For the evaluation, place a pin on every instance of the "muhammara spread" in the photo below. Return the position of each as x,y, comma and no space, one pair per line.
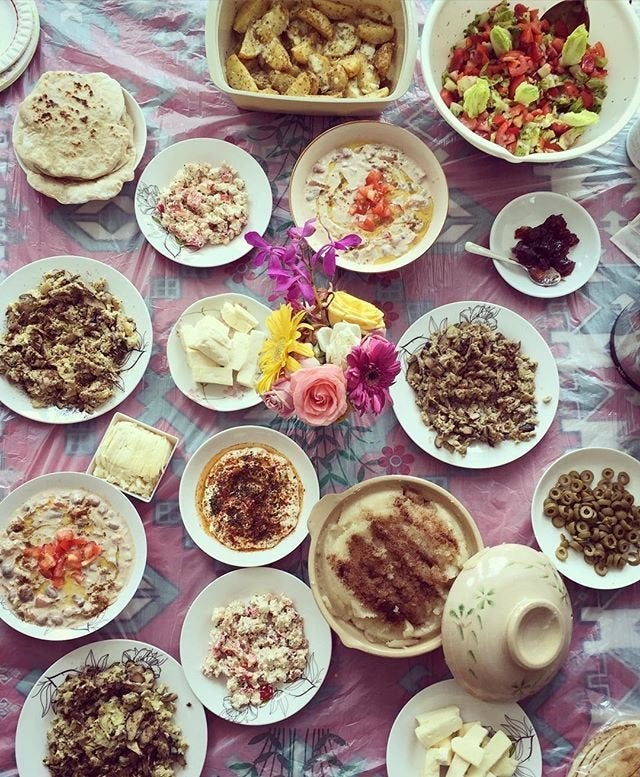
249,497
63,558
390,560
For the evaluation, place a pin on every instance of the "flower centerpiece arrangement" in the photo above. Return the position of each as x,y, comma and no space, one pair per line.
326,353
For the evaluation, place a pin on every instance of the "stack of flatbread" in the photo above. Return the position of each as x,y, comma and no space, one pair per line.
613,751
75,138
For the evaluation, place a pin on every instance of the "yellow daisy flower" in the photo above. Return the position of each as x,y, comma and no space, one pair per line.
279,351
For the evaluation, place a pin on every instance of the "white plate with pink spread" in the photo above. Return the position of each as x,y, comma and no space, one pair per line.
251,588
197,199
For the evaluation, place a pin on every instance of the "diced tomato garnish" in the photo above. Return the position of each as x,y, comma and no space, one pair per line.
447,97
588,63
557,44
571,90
66,554
368,223
457,59
598,50
587,98
520,10
515,83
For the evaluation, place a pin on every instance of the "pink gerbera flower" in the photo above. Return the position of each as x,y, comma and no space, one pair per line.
372,367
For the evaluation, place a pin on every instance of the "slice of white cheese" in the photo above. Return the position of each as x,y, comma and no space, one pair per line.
240,345
247,374
458,767
437,725
498,745
211,341
467,727
187,334
203,370
431,767
423,717
505,767
471,752
238,318
443,752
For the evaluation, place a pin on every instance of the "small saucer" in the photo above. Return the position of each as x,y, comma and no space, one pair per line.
531,210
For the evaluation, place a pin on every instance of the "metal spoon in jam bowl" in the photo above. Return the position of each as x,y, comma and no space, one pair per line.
549,277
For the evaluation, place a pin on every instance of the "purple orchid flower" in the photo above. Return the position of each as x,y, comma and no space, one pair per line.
265,250
327,254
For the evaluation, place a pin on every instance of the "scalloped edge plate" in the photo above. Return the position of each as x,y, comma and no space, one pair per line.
36,714
479,455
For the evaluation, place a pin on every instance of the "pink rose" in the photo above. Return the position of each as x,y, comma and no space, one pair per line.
278,399
319,394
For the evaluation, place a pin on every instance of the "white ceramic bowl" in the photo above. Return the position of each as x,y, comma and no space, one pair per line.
65,481
219,44
355,132
613,22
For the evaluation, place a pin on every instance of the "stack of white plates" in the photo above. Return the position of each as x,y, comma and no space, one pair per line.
19,34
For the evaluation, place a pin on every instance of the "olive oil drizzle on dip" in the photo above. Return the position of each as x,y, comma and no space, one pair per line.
333,185
43,526
249,497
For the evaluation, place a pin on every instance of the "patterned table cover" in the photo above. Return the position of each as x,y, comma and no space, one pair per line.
156,50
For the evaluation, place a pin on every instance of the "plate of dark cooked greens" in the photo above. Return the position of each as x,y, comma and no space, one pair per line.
479,385
586,517
112,707
75,339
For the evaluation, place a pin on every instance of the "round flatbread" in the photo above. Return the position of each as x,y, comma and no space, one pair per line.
73,125
611,752
73,192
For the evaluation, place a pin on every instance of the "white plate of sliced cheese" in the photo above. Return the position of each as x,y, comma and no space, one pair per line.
445,732
213,351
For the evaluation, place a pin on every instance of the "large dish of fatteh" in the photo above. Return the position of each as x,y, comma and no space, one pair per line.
383,557
376,180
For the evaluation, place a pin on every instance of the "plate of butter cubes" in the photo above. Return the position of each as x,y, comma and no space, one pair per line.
444,732
213,351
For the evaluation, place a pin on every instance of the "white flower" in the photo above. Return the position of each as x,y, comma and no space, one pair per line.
338,341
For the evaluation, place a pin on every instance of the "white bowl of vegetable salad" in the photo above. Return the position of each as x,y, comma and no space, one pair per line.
522,89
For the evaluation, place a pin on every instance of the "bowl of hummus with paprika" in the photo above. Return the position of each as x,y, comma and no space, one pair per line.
72,554
246,494
383,557
377,181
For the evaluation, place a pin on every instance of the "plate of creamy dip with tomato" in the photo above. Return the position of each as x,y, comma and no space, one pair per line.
377,181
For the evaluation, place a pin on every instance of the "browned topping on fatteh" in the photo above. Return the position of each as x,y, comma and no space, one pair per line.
249,497
398,569
391,558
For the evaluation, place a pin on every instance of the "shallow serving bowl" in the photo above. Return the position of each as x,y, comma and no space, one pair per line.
219,44
326,514
362,132
613,22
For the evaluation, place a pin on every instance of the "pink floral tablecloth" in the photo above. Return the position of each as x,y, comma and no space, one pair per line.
156,50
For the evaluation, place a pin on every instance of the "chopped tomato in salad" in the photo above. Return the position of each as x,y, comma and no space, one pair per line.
66,556
373,202
524,84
